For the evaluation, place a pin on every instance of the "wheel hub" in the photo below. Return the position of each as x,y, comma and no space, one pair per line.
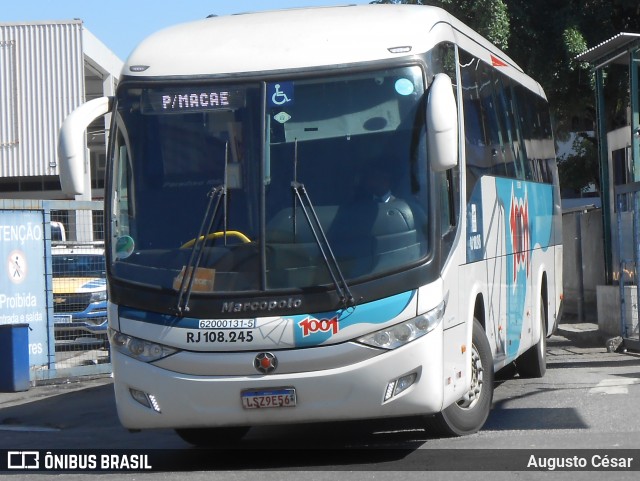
473,394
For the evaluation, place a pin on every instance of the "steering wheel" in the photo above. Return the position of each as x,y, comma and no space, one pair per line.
217,235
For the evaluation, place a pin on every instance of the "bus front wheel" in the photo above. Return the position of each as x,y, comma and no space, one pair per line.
469,414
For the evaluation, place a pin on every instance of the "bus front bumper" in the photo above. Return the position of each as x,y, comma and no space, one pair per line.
148,396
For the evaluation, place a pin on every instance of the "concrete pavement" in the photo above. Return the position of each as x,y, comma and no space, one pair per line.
51,388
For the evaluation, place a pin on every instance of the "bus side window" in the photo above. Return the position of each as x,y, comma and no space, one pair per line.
484,150
447,200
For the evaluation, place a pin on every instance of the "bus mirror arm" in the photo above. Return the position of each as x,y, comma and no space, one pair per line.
442,124
71,143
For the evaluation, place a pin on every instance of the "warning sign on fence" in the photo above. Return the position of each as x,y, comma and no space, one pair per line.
23,294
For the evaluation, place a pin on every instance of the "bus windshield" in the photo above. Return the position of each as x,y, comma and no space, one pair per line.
354,143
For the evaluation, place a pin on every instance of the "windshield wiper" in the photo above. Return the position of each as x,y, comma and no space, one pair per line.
302,196
218,195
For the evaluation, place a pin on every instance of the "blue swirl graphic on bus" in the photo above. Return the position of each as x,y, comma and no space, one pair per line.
528,210
312,330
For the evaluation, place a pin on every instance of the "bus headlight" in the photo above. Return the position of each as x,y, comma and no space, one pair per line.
139,349
398,335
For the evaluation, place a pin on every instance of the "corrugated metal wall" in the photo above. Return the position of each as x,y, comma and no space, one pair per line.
8,94
41,81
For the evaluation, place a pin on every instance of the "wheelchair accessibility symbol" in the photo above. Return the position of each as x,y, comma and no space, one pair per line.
280,93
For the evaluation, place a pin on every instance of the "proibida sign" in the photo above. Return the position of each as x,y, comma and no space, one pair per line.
23,294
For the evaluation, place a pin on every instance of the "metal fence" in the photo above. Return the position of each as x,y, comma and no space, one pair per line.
63,247
79,285
628,203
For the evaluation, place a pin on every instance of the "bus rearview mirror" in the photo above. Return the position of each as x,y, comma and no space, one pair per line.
442,124
71,143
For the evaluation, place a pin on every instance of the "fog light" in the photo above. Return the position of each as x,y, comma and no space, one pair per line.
147,400
399,385
404,382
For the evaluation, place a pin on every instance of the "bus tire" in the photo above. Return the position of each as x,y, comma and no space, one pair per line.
469,414
212,437
533,362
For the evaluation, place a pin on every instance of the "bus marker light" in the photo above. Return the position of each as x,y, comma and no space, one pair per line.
154,403
389,392
403,49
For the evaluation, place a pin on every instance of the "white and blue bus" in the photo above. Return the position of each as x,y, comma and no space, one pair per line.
320,215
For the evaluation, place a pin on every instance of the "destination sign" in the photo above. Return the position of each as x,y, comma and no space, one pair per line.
165,101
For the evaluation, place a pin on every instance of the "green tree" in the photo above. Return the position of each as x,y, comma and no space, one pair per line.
580,168
544,37
489,18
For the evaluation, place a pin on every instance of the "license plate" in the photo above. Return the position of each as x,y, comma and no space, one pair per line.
270,398
61,318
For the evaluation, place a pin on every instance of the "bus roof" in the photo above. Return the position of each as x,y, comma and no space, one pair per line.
302,38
